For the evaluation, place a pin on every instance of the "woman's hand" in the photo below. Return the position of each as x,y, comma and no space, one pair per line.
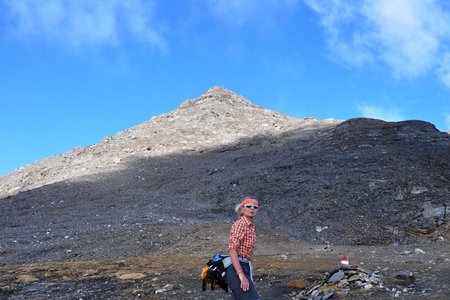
245,285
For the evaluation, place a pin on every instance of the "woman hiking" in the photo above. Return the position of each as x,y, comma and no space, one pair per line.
241,244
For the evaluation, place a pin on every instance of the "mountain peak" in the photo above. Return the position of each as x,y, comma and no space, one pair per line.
217,96
215,118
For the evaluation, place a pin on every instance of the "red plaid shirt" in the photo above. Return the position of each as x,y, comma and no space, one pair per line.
243,237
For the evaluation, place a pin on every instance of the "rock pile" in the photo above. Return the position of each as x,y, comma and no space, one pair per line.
340,282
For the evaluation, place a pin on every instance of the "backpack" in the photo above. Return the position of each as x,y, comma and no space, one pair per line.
214,272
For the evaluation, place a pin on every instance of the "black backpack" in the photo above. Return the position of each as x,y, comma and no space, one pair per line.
215,272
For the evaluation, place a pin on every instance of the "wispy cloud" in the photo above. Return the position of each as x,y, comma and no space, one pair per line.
408,36
443,69
447,120
84,23
237,13
376,112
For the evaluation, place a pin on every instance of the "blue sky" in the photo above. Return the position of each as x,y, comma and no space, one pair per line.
73,72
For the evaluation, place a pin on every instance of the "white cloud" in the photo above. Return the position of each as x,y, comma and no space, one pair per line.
84,23
443,69
408,36
337,17
447,120
376,112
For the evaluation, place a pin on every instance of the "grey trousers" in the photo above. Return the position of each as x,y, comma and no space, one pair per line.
234,283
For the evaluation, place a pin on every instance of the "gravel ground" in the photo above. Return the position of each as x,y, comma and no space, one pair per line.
177,276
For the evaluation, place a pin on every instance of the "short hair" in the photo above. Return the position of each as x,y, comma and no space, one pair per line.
238,209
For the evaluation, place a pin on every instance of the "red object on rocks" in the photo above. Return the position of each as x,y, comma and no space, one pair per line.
344,261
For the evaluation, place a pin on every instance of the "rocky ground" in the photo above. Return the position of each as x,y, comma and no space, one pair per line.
138,214
177,276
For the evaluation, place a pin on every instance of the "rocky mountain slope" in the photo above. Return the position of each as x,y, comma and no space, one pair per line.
169,185
218,117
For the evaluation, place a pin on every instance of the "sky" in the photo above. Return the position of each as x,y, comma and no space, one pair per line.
74,72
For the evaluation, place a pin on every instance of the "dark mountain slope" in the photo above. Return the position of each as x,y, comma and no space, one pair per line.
361,182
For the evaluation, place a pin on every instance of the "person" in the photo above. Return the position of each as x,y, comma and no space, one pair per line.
241,244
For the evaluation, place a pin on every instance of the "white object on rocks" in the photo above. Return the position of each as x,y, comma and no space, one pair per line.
344,261
416,190
321,228
166,288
